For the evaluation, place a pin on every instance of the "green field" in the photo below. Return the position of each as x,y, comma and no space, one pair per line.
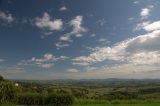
80,93
117,103
152,104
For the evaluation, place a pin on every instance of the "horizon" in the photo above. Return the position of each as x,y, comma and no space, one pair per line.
67,39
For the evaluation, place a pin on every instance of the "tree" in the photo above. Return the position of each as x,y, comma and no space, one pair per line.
7,92
1,78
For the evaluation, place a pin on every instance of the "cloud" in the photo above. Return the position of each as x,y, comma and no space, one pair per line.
1,60
47,61
145,12
131,19
141,25
65,38
77,31
102,40
152,26
136,2
45,22
72,70
148,26
101,22
93,35
11,70
63,8
6,17
76,23
132,50
61,45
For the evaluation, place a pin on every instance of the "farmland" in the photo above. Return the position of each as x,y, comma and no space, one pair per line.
108,92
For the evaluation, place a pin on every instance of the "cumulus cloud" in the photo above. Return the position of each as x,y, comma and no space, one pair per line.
6,17
45,22
47,61
148,26
152,26
145,12
135,51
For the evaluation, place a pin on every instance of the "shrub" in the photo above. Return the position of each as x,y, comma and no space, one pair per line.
7,92
1,78
60,100
30,99
121,95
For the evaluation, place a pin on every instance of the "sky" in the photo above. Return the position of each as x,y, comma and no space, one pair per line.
79,39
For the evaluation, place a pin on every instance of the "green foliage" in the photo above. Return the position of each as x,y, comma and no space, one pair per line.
121,95
60,99
1,78
7,92
30,99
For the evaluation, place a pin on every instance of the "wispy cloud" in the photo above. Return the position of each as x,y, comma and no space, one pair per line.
6,17
77,31
1,60
63,8
72,70
47,61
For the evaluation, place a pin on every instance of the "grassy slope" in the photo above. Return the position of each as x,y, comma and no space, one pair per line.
152,104
117,103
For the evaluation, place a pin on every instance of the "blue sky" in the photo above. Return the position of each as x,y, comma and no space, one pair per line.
79,39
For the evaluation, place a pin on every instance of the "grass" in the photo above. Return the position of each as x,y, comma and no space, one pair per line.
117,103
151,104
89,102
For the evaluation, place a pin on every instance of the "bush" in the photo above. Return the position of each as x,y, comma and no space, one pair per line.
121,95
30,99
7,92
1,78
60,100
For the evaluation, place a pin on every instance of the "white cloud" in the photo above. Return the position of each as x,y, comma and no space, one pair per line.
148,26
152,26
76,23
47,61
136,2
61,45
145,58
77,31
65,38
136,49
146,12
45,22
141,25
63,8
72,70
7,17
